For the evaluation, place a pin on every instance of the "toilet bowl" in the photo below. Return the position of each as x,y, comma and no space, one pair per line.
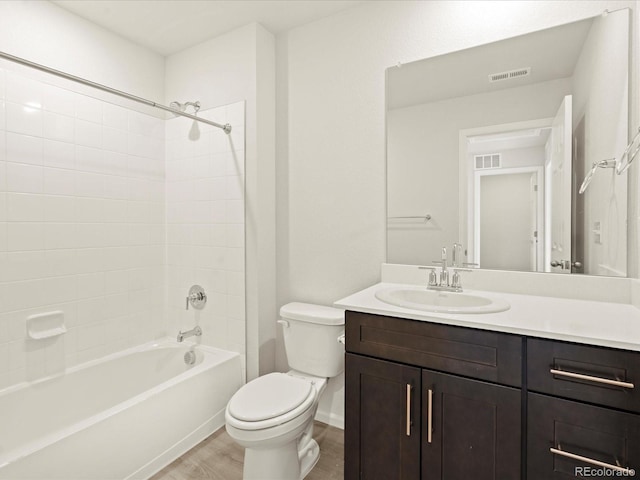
272,416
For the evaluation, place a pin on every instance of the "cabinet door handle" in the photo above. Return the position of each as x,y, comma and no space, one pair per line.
591,378
429,415
408,409
591,461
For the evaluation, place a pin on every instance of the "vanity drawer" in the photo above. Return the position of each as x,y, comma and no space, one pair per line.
485,355
596,375
567,439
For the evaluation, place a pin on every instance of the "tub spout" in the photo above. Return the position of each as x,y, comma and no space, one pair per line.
197,331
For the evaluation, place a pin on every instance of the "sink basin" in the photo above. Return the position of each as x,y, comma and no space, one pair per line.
419,298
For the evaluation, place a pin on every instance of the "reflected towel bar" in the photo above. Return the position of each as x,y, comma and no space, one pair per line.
426,217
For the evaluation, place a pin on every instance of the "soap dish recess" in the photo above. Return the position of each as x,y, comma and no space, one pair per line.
46,325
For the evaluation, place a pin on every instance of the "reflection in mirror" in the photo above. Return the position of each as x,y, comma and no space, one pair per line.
489,146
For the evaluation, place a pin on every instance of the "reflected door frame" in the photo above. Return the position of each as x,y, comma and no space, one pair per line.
466,178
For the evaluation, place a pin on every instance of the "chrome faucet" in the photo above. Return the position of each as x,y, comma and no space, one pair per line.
442,284
197,331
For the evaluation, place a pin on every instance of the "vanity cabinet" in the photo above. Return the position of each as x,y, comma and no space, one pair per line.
420,402
431,401
583,410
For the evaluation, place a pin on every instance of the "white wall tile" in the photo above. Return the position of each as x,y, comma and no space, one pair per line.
235,113
60,236
23,207
58,127
58,289
114,116
23,90
87,108
115,186
60,262
58,100
25,236
235,211
88,225
24,149
114,140
59,154
58,181
3,115
24,265
3,207
88,134
89,159
60,209
2,84
89,184
3,237
24,178
90,285
23,119
235,235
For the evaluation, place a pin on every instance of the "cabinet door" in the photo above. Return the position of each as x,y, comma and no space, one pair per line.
475,429
568,439
382,420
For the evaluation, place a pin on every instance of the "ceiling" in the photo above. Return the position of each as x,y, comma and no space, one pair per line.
551,54
169,26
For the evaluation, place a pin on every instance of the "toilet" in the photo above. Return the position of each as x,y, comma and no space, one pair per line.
272,416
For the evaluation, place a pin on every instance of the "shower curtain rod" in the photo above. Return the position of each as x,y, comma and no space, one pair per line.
58,73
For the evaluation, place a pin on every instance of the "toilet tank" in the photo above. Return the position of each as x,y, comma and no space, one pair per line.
311,338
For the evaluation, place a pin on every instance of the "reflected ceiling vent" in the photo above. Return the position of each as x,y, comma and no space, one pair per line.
483,162
520,72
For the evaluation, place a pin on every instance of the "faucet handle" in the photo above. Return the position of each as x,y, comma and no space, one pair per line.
197,298
433,278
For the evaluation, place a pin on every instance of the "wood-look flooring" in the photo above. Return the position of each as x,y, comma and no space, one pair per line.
219,458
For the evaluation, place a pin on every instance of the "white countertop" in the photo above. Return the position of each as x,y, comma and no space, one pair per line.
595,323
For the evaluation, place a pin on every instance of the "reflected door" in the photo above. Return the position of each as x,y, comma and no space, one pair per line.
558,205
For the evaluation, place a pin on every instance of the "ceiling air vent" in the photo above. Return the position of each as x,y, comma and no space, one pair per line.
520,72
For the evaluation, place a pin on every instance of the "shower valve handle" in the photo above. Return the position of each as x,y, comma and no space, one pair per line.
197,298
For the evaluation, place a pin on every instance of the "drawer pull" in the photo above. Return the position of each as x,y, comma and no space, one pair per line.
408,410
429,415
590,378
591,461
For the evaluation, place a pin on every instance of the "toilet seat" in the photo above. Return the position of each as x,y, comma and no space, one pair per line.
270,400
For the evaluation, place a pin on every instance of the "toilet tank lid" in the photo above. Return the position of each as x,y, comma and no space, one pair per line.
308,312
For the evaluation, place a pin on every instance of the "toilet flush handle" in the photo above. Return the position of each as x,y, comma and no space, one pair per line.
341,339
284,323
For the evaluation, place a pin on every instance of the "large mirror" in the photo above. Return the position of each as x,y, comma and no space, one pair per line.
488,148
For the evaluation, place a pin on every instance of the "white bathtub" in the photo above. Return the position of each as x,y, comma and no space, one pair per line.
124,416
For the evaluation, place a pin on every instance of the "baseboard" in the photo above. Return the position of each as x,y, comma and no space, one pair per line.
330,419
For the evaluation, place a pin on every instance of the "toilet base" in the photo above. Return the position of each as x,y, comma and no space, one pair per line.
290,461
309,456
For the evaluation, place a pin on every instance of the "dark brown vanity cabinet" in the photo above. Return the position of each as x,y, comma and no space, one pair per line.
410,412
437,402
583,408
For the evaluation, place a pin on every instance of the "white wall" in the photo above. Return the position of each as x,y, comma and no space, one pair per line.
239,66
331,130
42,32
601,98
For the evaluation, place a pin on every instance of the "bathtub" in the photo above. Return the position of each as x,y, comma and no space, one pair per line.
124,416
